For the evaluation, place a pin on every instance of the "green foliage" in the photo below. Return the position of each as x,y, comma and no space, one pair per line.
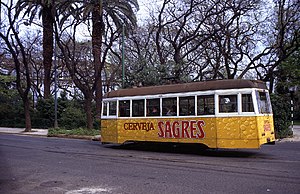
72,117
281,113
70,113
288,76
11,106
43,115
296,100
77,131
290,70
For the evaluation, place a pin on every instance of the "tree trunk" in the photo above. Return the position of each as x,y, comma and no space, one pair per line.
89,115
47,20
98,27
98,99
27,114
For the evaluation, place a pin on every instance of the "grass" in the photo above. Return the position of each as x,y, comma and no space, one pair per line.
79,132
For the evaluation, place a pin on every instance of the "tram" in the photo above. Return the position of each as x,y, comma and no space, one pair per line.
233,114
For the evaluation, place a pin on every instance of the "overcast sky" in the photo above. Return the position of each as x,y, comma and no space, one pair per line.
145,7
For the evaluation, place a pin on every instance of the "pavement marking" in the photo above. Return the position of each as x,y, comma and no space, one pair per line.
90,190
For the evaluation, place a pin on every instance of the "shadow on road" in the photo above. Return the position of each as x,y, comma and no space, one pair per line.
191,149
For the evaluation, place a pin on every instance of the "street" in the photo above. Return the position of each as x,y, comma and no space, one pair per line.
55,165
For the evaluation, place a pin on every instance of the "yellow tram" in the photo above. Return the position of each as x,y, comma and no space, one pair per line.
217,114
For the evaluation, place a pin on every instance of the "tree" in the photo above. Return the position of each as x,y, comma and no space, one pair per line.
280,40
107,18
79,66
222,39
10,101
105,15
121,13
44,9
142,61
287,34
15,47
206,39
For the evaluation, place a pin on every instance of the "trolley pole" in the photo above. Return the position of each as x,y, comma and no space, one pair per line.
292,113
55,85
123,68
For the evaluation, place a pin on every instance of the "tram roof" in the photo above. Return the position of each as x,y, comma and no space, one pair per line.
187,87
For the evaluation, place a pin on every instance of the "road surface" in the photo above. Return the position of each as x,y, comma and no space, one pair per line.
55,165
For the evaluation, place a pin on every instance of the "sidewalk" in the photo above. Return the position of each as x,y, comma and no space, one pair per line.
38,132
44,132
296,135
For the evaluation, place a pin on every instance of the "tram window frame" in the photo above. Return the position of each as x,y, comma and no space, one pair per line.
230,106
247,103
124,108
207,107
138,108
104,108
264,105
187,106
169,106
153,107
112,108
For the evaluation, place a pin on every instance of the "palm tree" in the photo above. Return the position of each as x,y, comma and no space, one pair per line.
121,13
45,10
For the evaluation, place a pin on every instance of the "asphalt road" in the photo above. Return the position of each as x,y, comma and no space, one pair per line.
54,165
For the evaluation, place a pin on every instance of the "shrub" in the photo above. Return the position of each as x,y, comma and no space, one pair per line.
282,115
43,115
72,118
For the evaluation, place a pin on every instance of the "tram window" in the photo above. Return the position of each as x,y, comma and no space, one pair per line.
247,103
104,109
138,108
228,103
264,104
169,106
124,108
187,105
113,108
153,107
206,105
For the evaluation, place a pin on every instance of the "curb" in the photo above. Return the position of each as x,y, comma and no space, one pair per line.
93,138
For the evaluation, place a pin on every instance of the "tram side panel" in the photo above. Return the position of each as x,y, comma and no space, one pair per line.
222,132
183,130
237,132
109,131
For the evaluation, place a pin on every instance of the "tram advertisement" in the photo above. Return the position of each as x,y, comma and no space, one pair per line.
190,129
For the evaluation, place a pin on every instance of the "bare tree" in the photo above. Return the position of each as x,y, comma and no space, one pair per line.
287,35
225,39
79,66
235,40
15,46
184,29
33,41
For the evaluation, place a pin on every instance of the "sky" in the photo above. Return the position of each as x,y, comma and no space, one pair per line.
145,7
